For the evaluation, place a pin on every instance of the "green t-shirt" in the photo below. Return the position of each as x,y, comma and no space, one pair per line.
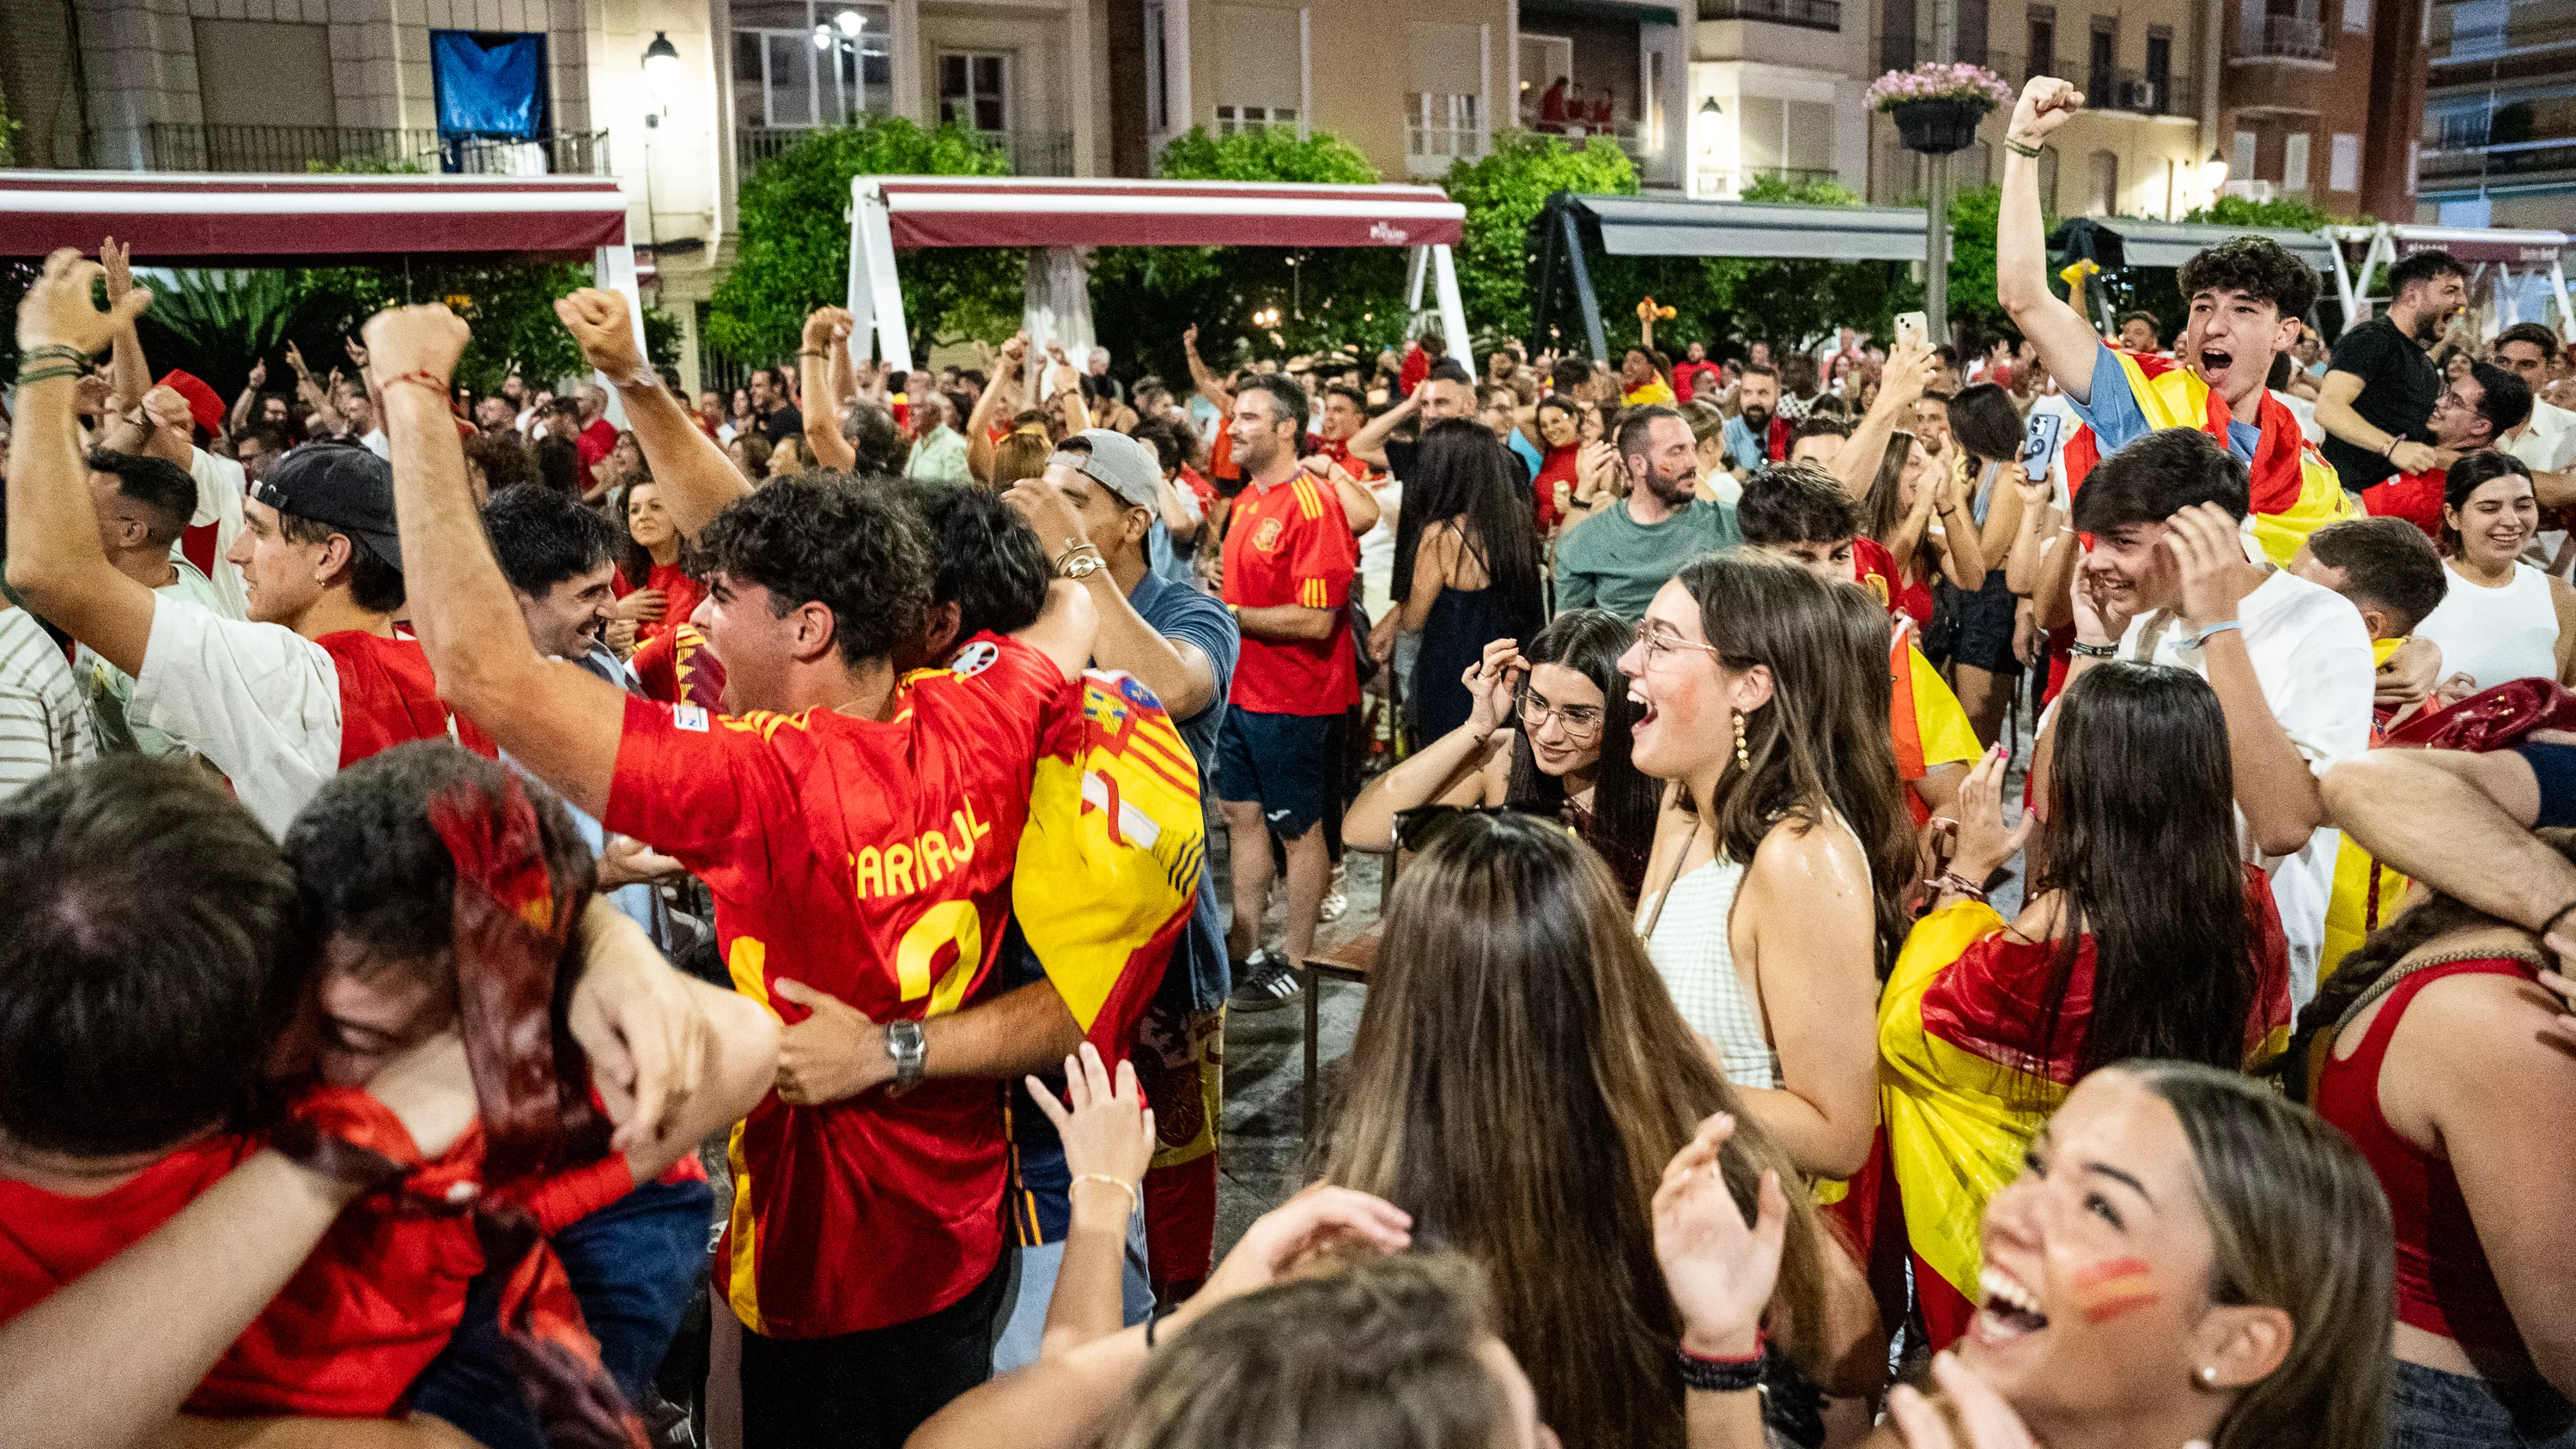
1611,561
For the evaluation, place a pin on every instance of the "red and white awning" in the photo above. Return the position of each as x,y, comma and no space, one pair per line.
166,217
985,211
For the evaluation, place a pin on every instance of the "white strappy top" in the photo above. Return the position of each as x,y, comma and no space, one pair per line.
1693,953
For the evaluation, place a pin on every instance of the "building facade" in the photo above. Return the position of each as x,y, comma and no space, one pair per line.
2499,136
2140,145
2321,99
1776,94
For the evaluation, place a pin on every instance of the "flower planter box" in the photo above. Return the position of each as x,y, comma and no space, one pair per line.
1938,127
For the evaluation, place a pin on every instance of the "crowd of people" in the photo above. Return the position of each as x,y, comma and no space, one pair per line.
1966,902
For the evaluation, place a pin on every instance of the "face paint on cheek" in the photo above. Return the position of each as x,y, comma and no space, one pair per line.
2113,1289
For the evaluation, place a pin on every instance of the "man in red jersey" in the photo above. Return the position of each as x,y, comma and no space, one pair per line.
1289,561
317,678
857,824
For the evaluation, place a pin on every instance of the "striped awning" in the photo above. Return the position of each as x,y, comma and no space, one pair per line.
987,211
164,217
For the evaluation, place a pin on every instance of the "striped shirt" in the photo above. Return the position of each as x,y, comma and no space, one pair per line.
43,720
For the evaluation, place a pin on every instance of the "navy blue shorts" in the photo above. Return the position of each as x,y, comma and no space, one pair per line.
2553,767
1283,762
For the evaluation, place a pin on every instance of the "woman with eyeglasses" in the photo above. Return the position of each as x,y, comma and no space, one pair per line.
1548,735
1777,889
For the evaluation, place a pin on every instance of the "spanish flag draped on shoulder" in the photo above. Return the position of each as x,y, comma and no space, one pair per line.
1965,1079
1109,863
2295,490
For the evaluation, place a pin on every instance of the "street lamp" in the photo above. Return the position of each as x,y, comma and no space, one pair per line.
850,23
2213,174
1704,134
661,73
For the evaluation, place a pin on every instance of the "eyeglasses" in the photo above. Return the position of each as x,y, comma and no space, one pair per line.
1655,644
1581,723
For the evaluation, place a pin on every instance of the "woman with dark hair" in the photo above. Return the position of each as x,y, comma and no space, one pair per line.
1518,1084
1568,756
2437,1050
1777,891
1466,567
1985,433
1559,425
749,453
558,462
1989,1023
2184,1259
1898,508
2502,619
652,584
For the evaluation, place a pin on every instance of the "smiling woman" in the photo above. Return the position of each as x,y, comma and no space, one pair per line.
2186,1258
2502,619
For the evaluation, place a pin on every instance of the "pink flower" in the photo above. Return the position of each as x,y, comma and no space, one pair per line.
1939,80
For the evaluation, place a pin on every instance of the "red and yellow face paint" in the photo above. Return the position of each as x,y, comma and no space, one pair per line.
2114,1288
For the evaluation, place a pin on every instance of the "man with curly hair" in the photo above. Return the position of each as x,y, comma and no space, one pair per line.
857,824
2247,296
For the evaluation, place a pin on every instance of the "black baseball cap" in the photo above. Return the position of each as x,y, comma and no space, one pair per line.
340,485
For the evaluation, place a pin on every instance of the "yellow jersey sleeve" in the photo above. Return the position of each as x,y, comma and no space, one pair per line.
1939,722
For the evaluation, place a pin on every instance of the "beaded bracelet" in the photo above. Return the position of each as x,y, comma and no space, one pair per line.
1721,1375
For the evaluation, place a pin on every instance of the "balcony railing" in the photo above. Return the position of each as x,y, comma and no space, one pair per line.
2279,37
1032,153
2519,159
2141,95
178,146
1438,145
1807,14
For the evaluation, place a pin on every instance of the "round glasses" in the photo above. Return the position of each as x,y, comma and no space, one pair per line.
1581,723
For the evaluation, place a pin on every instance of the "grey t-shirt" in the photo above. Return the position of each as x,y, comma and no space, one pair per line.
1611,561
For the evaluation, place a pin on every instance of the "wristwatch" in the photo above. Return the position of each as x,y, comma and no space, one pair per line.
904,1044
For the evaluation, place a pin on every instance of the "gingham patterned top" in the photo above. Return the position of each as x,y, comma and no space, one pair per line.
1692,952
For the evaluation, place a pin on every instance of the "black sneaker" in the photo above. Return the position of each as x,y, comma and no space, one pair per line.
1267,983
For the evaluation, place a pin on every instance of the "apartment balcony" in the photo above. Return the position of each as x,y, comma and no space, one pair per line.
2257,190
178,146
1032,153
2141,95
2501,163
1805,14
1430,149
2265,38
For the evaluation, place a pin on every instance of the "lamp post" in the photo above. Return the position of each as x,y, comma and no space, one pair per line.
661,73
1704,136
2213,174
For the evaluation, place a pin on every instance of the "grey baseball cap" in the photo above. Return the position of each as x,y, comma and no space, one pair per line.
1130,468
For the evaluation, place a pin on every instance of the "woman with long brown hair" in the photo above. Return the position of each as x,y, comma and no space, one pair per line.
2437,1050
1519,1083
1776,893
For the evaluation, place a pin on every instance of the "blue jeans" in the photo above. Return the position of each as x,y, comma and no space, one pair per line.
1022,1329
633,1264
2430,1409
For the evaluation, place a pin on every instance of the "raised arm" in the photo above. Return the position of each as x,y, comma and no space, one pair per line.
558,720
2067,343
1178,672
1908,372
56,562
696,478
1207,383
823,329
1001,387
1369,443
240,420
131,374
1450,769
2274,787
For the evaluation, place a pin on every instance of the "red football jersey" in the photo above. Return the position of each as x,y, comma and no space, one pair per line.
681,596
870,860
48,1239
2415,497
1290,544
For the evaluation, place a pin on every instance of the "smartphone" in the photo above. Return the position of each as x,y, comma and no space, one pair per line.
1912,325
2039,443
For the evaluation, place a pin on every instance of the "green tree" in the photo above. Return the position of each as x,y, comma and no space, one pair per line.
1504,191
8,128
1347,300
1790,302
795,251
2284,213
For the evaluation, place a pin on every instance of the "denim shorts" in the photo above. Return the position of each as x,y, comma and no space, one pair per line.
2430,1409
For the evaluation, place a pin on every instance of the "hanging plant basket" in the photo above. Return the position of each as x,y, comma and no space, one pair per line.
1937,128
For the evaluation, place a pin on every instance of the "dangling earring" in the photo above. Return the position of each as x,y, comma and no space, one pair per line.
1743,755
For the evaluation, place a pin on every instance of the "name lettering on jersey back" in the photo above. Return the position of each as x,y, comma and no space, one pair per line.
906,867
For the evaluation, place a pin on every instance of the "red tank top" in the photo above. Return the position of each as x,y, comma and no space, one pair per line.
389,697
2444,1285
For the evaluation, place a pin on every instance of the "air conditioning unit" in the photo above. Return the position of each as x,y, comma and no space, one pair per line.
2137,95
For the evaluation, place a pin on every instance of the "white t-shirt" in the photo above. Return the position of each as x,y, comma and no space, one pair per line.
2548,443
110,690
2312,657
259,701
375,443
43,724
1377,546
220,485
2306,412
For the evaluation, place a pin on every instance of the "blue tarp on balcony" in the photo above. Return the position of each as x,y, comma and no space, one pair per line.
489,89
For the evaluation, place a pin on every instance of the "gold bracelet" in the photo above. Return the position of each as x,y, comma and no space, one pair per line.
1134,1201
